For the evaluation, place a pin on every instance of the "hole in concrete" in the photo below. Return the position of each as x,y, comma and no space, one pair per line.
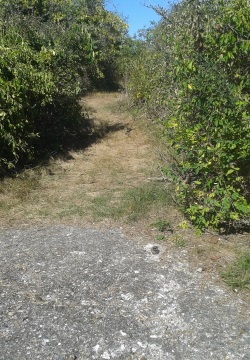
155,250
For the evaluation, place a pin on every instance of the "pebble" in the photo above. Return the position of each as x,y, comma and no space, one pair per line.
106,355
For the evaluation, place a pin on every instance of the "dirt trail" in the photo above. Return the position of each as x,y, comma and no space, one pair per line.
83,188
106,185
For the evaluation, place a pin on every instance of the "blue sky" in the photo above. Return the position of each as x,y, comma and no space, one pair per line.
136,15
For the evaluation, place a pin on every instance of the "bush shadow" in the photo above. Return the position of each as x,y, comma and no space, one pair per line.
64,129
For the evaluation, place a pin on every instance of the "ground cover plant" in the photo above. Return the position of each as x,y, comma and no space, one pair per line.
191,73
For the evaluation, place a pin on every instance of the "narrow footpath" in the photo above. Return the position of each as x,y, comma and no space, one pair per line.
85,272
89,185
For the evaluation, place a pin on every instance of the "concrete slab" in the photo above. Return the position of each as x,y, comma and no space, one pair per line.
71,293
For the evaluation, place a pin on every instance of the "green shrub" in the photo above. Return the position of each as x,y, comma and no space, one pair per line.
197,60
25,87
51,52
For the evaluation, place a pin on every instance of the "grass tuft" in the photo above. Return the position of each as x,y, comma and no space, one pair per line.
139,201
160,237
238,274
162,225
179,241
133,204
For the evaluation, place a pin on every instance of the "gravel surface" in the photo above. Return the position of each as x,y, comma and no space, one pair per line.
72,293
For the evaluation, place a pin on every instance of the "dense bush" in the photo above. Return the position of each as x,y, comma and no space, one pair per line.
51,52
193,75
26,87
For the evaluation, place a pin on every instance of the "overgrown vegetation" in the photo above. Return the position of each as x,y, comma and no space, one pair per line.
192,74
189,72
51,52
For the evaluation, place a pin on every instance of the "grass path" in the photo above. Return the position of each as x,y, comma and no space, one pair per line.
107,185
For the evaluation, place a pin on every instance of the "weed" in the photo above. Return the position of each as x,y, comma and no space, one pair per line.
160,237
184,225
162,225
179,241
238,274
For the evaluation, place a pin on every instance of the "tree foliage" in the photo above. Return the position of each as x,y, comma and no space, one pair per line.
193,75
51,52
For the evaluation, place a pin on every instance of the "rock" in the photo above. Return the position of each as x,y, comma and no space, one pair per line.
215,257
213,240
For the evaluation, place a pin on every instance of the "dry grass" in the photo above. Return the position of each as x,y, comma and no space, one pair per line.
106,182
107,185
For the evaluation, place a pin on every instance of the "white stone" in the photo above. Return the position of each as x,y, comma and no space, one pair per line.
123,333
96,348
106,355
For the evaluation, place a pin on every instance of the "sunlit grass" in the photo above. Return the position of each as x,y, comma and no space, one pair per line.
133,204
